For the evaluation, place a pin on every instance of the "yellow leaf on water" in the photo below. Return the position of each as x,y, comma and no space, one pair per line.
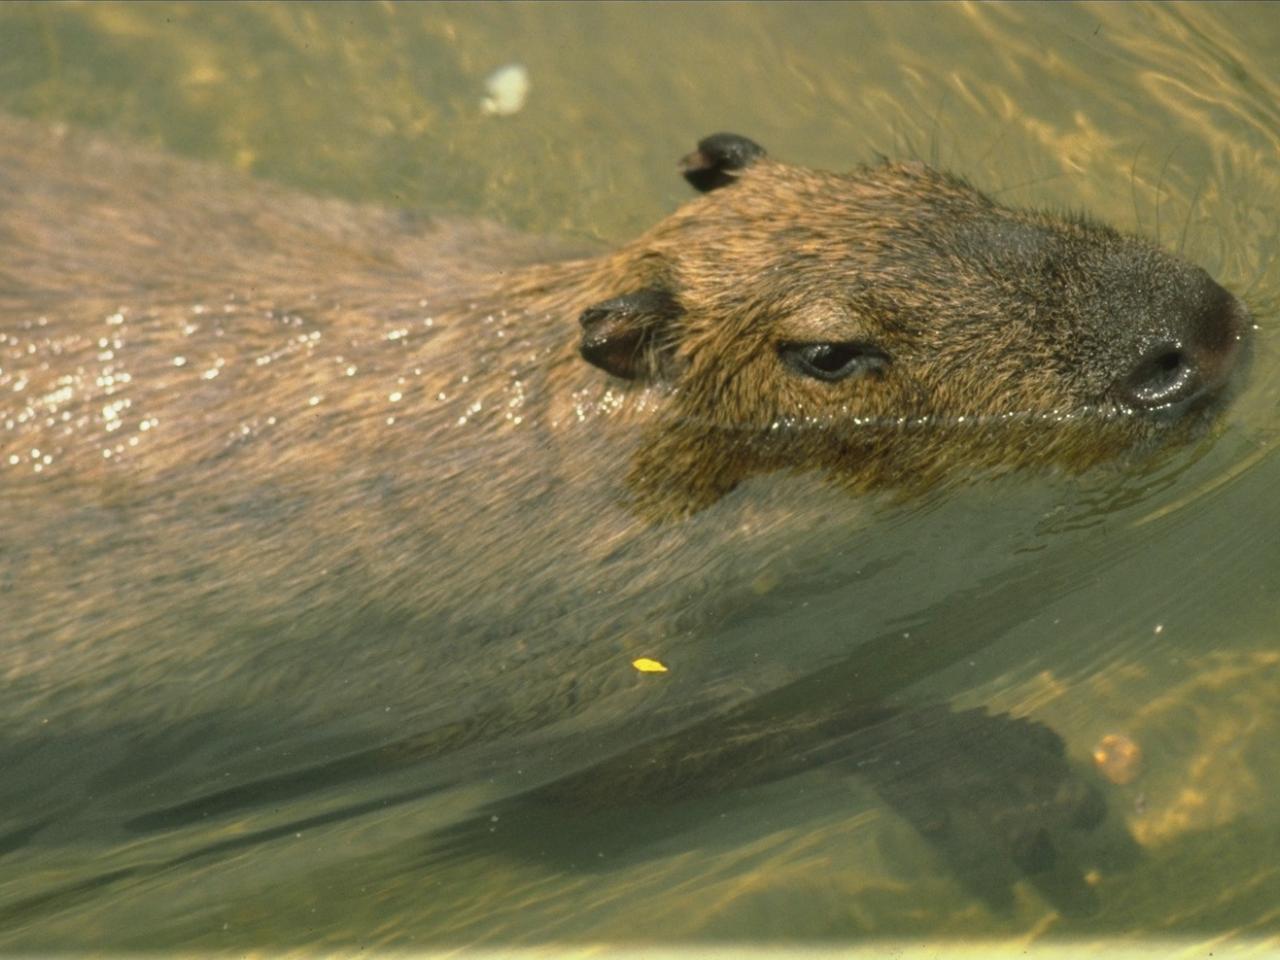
646,665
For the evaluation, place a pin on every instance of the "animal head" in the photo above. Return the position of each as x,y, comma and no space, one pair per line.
894,325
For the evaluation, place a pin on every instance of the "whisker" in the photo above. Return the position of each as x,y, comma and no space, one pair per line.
1195,199
1164,168
994,143
1262,272
1133,188
1030,183
934,150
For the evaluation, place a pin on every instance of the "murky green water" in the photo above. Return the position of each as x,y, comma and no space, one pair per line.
1147,606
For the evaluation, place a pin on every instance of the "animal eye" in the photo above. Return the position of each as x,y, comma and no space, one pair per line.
834,361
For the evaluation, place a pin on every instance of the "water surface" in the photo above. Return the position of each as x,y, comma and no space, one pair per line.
1145,604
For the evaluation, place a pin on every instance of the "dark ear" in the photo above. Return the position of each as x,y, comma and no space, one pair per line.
717,160
622,336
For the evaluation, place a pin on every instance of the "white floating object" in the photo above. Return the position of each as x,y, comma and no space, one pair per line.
507,89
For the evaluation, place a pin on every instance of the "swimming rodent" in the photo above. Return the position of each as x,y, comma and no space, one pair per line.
276,463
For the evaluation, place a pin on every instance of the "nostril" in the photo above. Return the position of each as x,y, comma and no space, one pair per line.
1166,375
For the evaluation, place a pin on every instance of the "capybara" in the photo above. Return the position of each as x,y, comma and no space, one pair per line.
297,491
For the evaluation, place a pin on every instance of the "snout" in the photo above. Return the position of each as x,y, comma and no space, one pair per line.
1194,360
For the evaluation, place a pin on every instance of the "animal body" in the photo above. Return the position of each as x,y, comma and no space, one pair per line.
307,491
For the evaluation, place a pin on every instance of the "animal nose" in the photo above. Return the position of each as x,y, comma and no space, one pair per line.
1174,372
1166,375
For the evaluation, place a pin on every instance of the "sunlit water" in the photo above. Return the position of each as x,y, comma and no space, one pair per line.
1146,606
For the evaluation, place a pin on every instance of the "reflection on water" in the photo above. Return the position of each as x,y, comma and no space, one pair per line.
891,736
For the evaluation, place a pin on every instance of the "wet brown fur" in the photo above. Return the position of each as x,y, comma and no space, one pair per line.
242,430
